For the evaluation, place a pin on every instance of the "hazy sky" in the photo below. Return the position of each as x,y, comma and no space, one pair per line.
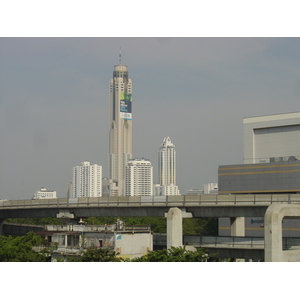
54,105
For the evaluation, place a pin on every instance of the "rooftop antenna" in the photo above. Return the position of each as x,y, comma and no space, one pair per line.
120,57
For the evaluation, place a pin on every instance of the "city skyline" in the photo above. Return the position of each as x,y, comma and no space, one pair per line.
55,103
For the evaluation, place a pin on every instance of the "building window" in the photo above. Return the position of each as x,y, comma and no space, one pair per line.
73,240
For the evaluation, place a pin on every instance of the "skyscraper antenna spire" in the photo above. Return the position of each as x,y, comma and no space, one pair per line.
120,56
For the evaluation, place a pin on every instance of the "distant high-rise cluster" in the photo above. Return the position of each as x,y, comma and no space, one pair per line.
127,176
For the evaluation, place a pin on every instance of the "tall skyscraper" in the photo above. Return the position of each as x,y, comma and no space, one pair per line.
87,180
120,136
139,178
167,168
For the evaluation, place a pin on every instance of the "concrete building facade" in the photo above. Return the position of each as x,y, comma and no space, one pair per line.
120,134
139,177
87,180
109,187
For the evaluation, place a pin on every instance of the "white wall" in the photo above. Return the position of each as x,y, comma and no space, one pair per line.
271,136
133,244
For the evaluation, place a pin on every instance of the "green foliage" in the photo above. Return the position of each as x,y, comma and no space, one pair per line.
35,221
19,249
196,226
97,255
200,226
101,220
175,254
158,224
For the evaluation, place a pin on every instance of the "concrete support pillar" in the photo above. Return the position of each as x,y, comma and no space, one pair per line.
174,228
66,216
273,233
237,226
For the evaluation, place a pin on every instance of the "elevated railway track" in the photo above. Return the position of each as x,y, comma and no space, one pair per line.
199,206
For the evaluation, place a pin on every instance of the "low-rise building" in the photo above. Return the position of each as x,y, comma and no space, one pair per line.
44,194
127,241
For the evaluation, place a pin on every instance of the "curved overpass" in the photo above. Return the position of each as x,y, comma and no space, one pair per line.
198,206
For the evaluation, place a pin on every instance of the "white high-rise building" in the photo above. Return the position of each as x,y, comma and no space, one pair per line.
87,180
120,135
167,168
139,177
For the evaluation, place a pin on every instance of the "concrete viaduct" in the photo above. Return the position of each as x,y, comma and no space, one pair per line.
273,207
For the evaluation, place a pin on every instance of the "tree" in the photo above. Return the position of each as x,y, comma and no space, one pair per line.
20,248
174,254
195,226
179,254
97,255
158,224
200,226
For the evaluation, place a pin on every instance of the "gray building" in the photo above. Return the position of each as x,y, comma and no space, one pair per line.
280,177
254,227
271,157
271,166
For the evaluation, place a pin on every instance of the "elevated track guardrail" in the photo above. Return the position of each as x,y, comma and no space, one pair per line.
167,201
